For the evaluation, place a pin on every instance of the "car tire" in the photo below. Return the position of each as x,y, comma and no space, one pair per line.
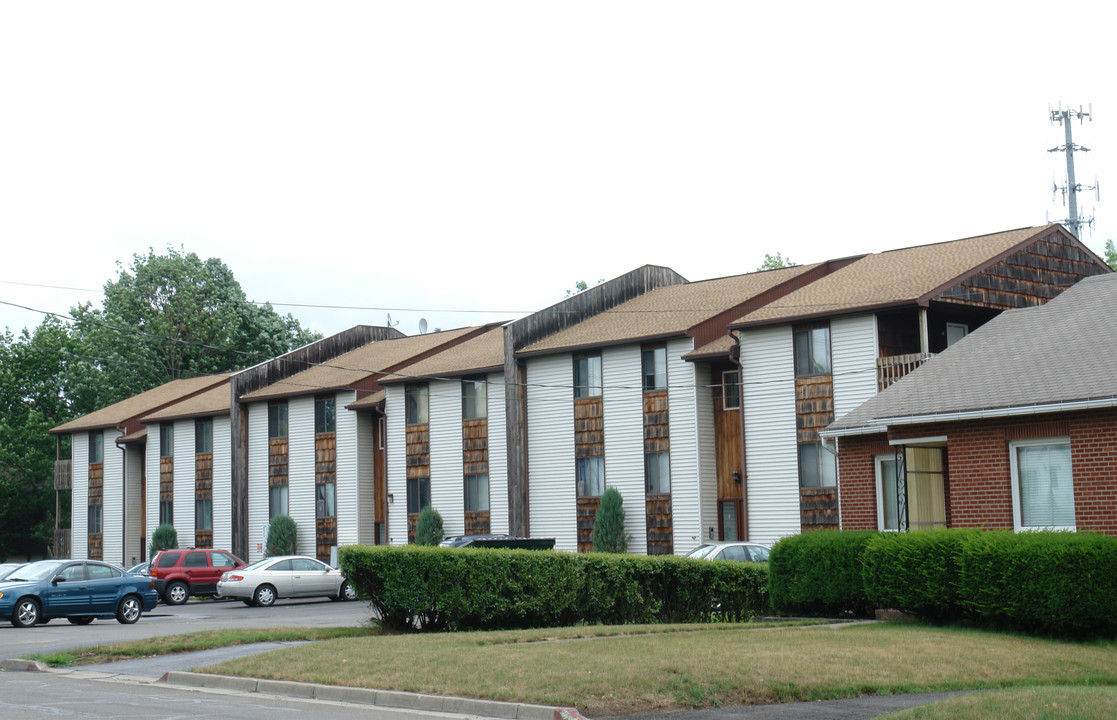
249,602
264,596
177,593
346,592
26,613
80,619
129,610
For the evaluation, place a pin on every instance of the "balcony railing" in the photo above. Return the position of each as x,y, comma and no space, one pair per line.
892,368
63,474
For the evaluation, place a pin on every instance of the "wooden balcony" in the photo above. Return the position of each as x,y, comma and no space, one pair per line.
890,369
63,475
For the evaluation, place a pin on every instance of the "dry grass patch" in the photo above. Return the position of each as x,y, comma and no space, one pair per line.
611,674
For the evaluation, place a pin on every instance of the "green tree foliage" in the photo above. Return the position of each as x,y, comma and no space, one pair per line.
428,530
608,524
1111,254
165,537
283,538
172,316
774,262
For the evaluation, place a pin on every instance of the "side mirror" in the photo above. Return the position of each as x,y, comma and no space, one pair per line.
57,579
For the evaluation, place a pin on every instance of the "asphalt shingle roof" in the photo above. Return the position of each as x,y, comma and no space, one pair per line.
142,404
1063,351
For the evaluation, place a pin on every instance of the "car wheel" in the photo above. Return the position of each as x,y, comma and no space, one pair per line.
26,613
80,619
347,592
249,602
177,593
264,596
129,610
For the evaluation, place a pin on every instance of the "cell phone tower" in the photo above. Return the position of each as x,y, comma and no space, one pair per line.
1071,187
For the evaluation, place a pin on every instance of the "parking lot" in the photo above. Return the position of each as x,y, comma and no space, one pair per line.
59,635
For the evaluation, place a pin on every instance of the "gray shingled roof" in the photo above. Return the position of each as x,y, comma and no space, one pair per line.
1061,352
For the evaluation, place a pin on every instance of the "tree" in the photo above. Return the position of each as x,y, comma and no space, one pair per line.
283,536
428,529
172,316
1110,254
608,524
165,537
774,262
581,286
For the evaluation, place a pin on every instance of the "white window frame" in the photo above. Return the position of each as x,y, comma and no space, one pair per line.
1017,509
877,462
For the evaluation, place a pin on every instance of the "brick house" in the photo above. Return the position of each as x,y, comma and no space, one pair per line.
1015,426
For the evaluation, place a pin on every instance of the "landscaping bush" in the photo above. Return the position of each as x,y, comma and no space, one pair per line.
428,528
608,524
1060,583
916,571
819,573
165,537
420,588
283,538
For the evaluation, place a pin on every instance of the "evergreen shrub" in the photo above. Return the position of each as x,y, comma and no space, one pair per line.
428,529
819,573
283,537
165,537
608,523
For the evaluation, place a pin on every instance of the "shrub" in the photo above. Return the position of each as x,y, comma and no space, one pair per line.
283,538
428,529
917,572
819,573
608,524
164,538
481,589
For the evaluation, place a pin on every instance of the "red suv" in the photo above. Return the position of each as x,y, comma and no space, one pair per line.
179,574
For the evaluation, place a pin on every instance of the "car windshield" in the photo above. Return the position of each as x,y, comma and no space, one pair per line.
35,571
701,551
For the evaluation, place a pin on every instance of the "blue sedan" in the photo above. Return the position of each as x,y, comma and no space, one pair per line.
79,590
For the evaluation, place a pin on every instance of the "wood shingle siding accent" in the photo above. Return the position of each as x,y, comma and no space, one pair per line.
203,490
814,406
477,523
96,499
818,508
657,429
587,511
277,462
657,507
475,446
166,481
418,451
659,526
589,428
325,472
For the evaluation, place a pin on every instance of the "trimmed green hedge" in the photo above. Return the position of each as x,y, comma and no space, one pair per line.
819,573
915,571
438,588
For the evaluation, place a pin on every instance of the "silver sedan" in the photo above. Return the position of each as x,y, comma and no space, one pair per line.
290,576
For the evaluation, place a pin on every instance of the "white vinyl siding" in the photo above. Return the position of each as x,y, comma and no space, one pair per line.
184,482
222,483
300,472
445,422
347,497
853,348
258,450
79,498
550,442
366,478
498,455
112,512
134,504
693,467
768,380
397,464
151,461
623,410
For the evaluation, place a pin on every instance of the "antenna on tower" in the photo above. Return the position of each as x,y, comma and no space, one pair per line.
1071,188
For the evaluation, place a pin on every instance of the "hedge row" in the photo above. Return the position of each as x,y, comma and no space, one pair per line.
482,589
1060,583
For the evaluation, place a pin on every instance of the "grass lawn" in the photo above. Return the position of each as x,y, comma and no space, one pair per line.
1039,703
625,670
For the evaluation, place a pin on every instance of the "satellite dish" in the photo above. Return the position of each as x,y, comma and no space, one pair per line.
422,326
390,323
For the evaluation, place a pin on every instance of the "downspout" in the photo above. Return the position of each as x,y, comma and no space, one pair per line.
735,358
838,471
123,500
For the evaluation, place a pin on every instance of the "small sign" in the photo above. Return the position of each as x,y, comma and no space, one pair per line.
259,547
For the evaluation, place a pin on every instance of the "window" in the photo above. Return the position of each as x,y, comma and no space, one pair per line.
166,441
477,493
888,499
1042,484
277,420
657,472
96,448
94,520
325,506
587,376
955,332
73,573
220,560
590,473
415,402
168,559
812,351
817,467
203,436
728,511
166,512
418,494
277,501
195,559
324,415
730,390
474,399
203,514
654,364
101,572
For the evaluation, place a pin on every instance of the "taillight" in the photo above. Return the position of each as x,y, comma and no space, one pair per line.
231,578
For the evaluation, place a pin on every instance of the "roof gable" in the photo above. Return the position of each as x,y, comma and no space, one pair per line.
137,406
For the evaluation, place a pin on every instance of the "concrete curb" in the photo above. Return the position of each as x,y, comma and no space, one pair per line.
366,696
24,665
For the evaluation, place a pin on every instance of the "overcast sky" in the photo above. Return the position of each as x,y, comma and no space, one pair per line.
420,158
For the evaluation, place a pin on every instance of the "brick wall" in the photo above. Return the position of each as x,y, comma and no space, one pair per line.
979,490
